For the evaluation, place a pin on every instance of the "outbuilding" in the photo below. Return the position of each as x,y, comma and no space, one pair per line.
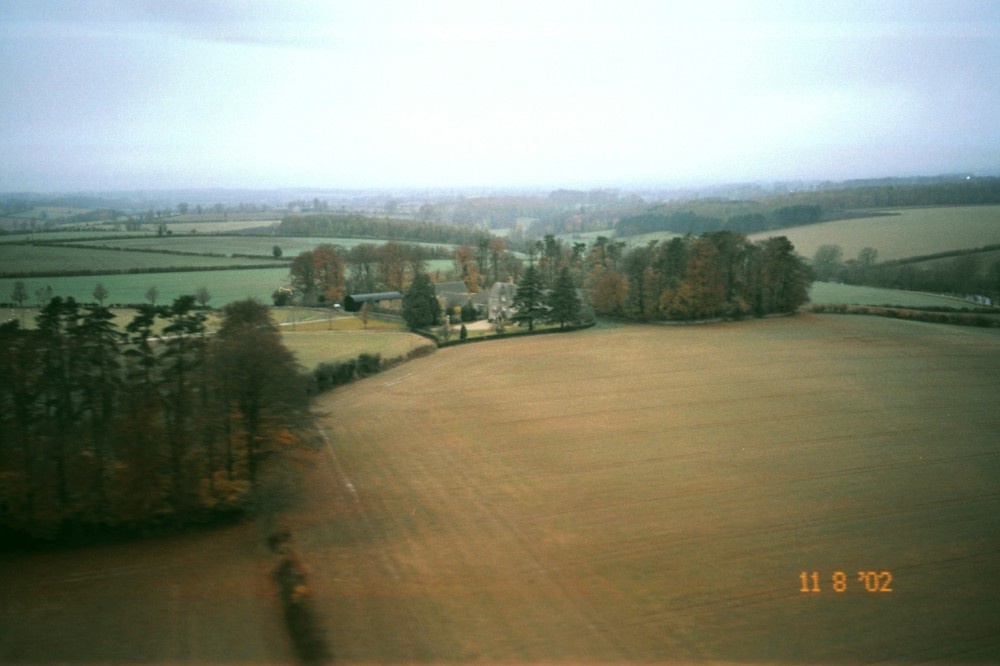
353,302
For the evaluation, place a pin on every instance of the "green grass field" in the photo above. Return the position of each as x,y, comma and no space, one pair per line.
653,494
314,347
255,245
71,236
224,286
41,259
830,292
316,336
914,232
45,213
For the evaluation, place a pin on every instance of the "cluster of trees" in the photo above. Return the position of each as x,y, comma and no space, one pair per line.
965,272
533,301
560,304
719,274
488,262
318,275
666,218
362,226
157,424
327,273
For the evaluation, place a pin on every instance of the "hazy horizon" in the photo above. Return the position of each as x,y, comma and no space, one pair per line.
120,96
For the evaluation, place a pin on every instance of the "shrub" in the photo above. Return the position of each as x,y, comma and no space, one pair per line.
304,628
369,364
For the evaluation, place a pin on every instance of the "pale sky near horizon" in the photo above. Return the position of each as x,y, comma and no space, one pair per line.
140,94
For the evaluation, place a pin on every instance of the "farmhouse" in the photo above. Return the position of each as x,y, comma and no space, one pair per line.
501,296
353,302
452,294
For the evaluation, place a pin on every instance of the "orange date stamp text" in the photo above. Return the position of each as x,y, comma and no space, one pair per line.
870,581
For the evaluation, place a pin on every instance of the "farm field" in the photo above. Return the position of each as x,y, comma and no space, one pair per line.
177,224
832,292
314,347
652,494
254,245
225,286
40,259
913,232
71,236
203,598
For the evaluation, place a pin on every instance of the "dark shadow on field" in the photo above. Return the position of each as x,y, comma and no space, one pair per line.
197,598
204,596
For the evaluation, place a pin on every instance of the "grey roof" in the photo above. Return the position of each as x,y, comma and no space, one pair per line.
442,288
379,296
352,303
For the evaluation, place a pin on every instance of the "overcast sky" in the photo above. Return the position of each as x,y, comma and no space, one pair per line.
122,94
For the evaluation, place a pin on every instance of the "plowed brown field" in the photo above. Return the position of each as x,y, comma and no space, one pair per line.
653,493
622,494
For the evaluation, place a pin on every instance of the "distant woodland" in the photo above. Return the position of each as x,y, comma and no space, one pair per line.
801,208
742,208
361,226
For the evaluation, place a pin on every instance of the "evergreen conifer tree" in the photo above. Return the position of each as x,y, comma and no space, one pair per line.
564,304
420,305
529,299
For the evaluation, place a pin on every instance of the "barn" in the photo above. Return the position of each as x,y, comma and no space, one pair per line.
353,302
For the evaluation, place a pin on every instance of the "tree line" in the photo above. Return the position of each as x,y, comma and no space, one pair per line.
362,226
892,192
156,424
717,274
327,273
665,218
962,272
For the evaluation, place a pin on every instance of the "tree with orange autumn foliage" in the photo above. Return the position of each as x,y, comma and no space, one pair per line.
318,275
608,291
467,268
719,274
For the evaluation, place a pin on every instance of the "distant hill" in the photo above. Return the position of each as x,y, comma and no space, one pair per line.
821,203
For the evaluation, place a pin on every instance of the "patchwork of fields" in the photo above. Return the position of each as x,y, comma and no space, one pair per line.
128,265
252,245
655,493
